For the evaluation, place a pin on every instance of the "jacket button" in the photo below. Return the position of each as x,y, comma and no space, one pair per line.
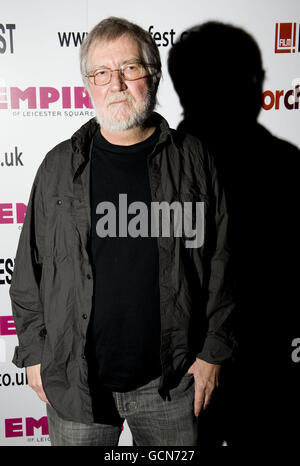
88,276
59,202
84,316
83,356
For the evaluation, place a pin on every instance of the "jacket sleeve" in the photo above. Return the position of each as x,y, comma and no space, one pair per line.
220,341
25,286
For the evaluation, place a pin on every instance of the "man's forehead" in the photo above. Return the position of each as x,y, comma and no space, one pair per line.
113,53
114,48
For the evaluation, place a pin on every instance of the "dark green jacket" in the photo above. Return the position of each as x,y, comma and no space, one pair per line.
52,284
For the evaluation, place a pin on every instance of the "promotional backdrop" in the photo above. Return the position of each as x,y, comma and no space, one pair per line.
42,102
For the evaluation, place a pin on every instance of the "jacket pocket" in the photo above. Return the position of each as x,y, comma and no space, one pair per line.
61,229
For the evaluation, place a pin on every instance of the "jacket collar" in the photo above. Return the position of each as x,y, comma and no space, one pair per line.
82,138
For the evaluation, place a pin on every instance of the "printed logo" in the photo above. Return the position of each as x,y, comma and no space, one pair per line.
18,427
7,38
7,325
281,98
10,380
7,328
285,38
12,159
162,38
46,101
71,38
6,270
165,38
12,212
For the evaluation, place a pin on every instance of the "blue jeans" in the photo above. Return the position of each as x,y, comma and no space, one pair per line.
151,419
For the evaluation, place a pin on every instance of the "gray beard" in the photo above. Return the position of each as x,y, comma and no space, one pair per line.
136,119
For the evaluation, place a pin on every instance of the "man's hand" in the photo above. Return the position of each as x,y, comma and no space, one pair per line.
206,377
35,381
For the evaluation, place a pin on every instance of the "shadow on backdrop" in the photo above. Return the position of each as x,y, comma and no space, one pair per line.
218,74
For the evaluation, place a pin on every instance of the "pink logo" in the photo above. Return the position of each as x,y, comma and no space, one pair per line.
43,97
16,427
12,213
7,325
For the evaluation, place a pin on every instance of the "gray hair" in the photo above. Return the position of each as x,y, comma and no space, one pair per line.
112,28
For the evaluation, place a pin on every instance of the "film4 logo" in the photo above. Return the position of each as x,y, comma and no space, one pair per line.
18,427
286,36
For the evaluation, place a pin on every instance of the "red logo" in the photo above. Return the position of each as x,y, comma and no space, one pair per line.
285,37
279,98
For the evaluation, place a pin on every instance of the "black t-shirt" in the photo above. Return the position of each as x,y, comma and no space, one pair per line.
126,312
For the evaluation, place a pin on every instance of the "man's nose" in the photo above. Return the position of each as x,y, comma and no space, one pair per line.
117,83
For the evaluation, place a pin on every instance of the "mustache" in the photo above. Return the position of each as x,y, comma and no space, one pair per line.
117,97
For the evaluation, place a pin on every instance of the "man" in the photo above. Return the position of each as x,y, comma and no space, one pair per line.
117,319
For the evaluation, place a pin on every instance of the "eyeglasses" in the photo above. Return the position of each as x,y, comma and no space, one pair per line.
128,72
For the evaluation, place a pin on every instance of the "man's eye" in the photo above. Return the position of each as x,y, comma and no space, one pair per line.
101,73
131,67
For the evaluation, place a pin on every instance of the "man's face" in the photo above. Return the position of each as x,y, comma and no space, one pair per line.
119,105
